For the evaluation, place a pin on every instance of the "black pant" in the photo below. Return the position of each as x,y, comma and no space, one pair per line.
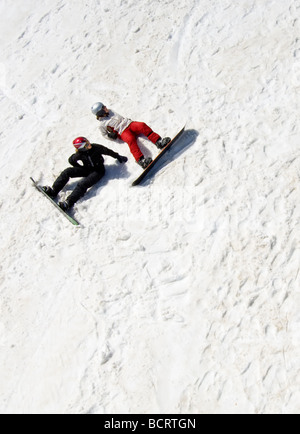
89,179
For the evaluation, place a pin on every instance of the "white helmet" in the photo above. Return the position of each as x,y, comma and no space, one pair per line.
97,107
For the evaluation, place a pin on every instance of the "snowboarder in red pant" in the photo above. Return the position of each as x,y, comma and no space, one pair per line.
116,127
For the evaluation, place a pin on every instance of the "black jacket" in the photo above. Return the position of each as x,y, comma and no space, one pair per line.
92,159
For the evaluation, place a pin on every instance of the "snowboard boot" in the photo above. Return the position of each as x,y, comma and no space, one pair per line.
65,206
49,191
144,162
162,143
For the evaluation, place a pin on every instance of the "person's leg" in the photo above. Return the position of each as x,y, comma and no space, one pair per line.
64,177
129,137
83,186
142,128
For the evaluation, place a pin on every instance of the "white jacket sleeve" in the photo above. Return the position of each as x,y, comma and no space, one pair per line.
103,130
115,121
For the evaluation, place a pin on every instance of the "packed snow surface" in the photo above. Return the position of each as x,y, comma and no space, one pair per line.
181,295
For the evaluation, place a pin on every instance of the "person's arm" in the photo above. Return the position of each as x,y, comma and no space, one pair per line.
73,160
111,133
103,130
111,153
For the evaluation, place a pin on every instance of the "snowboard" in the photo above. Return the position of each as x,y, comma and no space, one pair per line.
71,219
151,166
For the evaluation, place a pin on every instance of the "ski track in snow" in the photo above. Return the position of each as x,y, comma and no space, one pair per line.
181,295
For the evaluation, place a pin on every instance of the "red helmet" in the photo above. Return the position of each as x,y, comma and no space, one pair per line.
80,142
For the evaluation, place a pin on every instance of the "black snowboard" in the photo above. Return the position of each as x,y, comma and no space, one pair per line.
71,219
150,167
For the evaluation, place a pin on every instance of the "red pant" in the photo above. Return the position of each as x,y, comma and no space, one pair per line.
130,136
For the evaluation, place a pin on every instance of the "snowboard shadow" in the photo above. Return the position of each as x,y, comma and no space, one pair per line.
185,142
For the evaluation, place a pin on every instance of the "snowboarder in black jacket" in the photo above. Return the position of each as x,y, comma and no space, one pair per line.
91,170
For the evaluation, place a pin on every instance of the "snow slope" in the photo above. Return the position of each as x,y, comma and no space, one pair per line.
181,295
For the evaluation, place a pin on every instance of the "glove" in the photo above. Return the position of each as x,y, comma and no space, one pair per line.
122,159
112,134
